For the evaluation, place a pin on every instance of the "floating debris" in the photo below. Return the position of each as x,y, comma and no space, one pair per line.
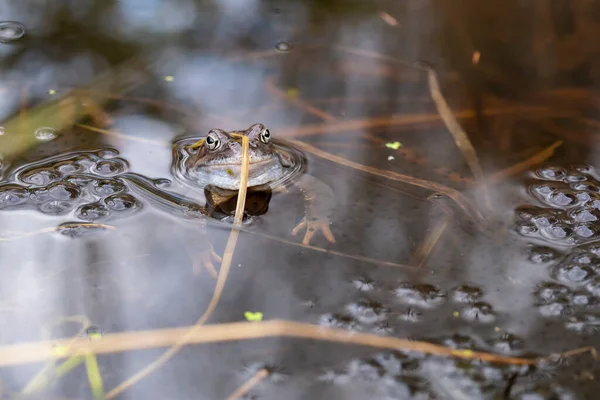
283,46
45,134
393,145
253,316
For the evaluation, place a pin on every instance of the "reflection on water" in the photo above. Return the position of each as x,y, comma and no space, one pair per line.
101,230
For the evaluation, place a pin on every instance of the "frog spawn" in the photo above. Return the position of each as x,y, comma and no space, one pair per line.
570,218
570,214
408,375
83,183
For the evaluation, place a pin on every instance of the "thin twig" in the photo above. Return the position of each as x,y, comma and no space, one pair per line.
457,196
460,136
275,91
406,120
249,384
220,285
427,245
123,136
525,164
25,353
22,235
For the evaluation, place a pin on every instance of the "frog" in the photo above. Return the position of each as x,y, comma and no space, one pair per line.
214,163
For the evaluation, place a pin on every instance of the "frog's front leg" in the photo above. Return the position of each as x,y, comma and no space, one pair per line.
319,203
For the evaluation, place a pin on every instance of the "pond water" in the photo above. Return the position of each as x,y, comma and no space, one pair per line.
475,228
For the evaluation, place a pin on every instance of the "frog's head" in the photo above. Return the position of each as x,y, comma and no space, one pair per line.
218,159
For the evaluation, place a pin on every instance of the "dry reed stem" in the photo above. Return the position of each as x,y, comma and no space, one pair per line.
239,207
220,284
458,134
525,165
427,245
123,136
23,122
25,353
271,88
457,196
22,235
36,383
333,252
406,120
249,384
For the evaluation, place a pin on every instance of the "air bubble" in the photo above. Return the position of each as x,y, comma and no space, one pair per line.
45,134
11,31
283,46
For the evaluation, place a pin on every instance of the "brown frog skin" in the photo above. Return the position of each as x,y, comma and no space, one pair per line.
217,163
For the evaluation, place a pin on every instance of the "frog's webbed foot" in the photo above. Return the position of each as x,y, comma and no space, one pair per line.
313,225
203,259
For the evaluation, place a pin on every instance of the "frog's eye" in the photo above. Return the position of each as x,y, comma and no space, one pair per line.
212,142
265,136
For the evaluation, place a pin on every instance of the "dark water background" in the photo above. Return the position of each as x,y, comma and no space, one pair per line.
337,75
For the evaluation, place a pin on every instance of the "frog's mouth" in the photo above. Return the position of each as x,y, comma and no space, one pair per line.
227,176
279,170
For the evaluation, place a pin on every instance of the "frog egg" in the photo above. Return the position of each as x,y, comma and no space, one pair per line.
109,167
91,212
11,31
551,173
13,195
122,202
